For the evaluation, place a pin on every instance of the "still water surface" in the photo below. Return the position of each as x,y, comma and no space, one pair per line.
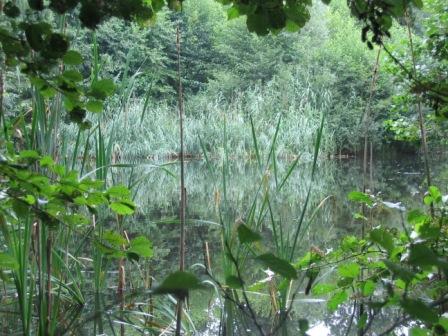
398,180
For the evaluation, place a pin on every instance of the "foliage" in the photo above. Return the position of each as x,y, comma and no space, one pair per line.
392,268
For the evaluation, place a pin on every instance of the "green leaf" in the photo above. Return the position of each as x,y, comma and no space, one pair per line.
403,273
246,235
72,57
72,75
141,246
179,284
435,194
29,154
350,243
277,265
122,208
422,255
114,239
419,310
382,238
322,289
234,282
350,270
35,34
417,217
30,199
336,300
11,10
419,332
443,321
46,161
95,106
232,13
119,191
368,288
304,326
102,89
56,46
360,197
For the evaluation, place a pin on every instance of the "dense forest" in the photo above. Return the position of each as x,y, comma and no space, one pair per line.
223,167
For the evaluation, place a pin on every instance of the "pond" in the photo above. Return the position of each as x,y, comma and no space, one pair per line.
330,216
393,178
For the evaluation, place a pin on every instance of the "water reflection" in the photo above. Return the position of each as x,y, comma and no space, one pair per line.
398,180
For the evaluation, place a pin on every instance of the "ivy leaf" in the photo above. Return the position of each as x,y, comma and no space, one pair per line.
278,265
246,235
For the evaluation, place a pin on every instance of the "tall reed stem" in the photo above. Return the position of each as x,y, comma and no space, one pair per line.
367,124
182,177
421,118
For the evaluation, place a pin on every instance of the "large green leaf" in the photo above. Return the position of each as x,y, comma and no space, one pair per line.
179,284
349,270
141,246
382,238
277,265
360,197
102,89
403,273
246,235
336,300
419,310
421,255
122,208
72,57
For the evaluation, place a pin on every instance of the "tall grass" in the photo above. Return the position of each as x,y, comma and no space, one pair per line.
156,134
